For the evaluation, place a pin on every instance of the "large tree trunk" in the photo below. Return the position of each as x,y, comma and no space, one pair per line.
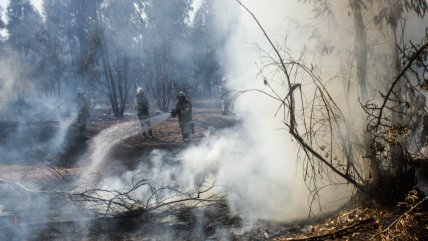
397,153
360,48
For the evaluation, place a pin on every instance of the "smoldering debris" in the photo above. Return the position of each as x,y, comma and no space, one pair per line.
182,170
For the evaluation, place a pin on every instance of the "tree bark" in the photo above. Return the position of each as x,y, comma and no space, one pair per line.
360,45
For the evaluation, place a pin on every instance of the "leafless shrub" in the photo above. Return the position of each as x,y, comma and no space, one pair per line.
311,116
316,122
144,197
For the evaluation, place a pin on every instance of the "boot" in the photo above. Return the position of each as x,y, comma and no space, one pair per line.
186,138
151,133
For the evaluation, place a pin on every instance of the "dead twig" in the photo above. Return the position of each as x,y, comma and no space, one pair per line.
336,233
401,217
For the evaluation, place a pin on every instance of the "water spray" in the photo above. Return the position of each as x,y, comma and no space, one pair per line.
109,138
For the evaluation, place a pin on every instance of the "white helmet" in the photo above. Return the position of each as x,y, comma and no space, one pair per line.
140,90
79,90
181,95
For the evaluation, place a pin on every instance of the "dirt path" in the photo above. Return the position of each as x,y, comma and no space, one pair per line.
127,150
119,153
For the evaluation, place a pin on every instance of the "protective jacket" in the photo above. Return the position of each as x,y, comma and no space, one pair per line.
183,109
142,105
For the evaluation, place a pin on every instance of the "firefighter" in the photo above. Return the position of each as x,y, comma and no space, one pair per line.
142,106
82,108
183,109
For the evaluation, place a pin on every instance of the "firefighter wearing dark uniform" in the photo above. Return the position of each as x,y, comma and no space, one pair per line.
82,113
183,110
143,113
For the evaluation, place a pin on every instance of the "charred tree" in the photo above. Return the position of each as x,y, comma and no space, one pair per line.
159,71
400,141
117,82
394,108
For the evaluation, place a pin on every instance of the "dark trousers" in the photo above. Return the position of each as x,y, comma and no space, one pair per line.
145,125
186,130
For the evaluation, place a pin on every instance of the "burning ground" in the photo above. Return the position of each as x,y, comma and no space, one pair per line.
331,112
117,185
52,196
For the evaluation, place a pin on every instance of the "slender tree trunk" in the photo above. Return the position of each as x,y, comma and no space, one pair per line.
110,81
125,86
360,48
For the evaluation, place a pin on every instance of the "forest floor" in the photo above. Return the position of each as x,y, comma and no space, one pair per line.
21,218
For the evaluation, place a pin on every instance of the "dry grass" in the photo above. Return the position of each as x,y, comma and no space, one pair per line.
407,221
411,225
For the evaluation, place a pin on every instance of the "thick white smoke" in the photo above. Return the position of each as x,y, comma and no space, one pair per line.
41,123
265,167
254,164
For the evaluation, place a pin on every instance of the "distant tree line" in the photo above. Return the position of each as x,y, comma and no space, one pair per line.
109,47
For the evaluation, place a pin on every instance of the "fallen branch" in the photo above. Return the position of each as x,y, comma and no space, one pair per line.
335,234
117,203
401,217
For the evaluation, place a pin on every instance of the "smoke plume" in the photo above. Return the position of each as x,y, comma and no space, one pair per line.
254,164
